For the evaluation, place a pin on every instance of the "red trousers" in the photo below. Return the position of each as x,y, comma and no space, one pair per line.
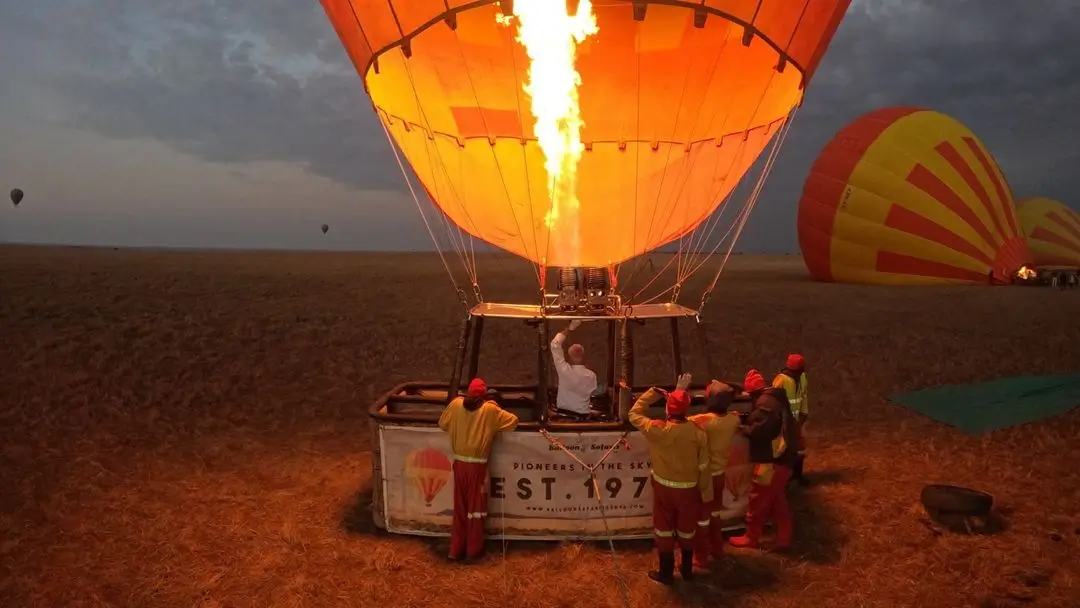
710,537
768,503
470,509
675,516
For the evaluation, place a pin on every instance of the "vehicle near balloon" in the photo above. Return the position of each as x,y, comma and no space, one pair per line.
579,137
909,196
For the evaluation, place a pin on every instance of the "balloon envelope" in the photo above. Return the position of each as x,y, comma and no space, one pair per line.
325,228
674,114
1052,230
16,196
908,196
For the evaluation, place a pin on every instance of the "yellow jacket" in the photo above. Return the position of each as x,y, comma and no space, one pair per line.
472,431
719,430
678,450
796,395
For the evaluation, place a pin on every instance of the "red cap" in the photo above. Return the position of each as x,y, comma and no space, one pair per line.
754,381
678,403
477,388
795,362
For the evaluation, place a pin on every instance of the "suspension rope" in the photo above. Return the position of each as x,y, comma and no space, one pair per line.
754,198
620,578
738,224
494,154
688,171
420,208
525,163
441,165
742,148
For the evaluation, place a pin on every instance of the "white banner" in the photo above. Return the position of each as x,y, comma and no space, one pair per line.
536,490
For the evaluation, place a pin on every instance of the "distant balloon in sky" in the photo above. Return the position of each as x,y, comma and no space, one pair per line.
1052,231
16,196
325,228
906,196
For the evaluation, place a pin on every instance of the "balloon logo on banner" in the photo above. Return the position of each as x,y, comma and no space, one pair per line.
429,470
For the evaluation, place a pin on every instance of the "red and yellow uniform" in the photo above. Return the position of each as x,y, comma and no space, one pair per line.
681,481
472,423
720,426
772,432
794,381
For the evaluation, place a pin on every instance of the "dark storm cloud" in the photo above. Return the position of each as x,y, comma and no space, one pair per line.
1002,67
1006,69
242,81
226,81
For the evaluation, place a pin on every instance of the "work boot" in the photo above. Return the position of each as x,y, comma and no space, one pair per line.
744,542
686,565
666,574
716,542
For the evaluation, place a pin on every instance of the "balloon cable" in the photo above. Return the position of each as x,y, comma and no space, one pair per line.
419,207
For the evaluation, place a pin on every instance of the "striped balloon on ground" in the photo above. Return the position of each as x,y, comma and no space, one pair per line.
906,195
1052,230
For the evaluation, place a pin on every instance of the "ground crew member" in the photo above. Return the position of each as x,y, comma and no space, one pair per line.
771,430
472,422
794,381
680,478
720,426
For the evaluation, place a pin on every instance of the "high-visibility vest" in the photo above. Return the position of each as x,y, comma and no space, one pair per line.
796,393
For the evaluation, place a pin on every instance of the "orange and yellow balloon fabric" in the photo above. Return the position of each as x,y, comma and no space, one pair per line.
1052,230
906,195
674,114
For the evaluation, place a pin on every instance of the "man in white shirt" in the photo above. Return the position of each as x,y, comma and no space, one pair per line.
577,383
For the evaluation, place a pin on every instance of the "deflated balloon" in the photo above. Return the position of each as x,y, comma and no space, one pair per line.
676,107
1052,230
908,196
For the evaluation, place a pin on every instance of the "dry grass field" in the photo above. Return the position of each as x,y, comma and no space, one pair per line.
190,429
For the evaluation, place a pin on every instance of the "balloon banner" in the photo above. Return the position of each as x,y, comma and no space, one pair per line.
535,490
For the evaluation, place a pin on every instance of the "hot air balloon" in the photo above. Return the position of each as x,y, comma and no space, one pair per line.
16,196
1052,230
325,228
906,195
429,470
579,136
676,103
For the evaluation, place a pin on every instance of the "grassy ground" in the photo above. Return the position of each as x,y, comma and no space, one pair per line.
189,429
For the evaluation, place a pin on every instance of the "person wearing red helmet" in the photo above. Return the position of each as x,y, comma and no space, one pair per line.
681,481
720,426
772,432
472,422
794,381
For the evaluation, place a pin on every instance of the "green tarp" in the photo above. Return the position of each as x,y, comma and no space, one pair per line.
998,404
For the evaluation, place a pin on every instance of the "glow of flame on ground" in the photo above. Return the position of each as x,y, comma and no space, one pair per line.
550,37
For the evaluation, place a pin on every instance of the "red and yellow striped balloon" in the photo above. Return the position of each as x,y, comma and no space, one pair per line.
1052,230
905,196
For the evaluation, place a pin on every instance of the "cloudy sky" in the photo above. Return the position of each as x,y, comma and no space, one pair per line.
240,123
